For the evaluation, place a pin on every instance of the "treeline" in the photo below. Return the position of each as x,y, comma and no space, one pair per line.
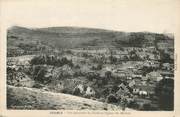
139,39
50,60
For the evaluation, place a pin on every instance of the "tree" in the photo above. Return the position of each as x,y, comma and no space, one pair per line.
165,57
39,73
99,67
136,39
125,58
108,74
92,75
165,92
115,88
134,55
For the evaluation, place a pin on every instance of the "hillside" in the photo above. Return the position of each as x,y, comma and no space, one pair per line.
70,37
28,98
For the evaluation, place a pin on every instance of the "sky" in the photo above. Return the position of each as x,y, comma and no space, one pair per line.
123,15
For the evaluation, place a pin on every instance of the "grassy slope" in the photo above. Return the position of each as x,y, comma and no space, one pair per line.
28,98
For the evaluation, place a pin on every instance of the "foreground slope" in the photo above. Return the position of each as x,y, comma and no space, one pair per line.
28,98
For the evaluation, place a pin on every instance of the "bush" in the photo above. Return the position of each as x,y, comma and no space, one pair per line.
112,99
67,91
133,104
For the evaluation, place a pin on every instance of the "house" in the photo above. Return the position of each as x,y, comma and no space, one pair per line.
144,88
167,74
135,90
121,93
138,81
90,91
81,88
122,89
143,93
121,75
129,78
60,85
85,90
132,83
143,82
144,78
66,70
167,66
109,68
154,76
136,76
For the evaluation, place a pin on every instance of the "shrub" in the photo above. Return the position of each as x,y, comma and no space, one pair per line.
76,91
112,99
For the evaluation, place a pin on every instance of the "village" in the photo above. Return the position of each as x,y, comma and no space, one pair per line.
107,75
136,74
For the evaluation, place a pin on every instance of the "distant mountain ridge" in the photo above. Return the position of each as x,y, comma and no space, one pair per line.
71,37
70,29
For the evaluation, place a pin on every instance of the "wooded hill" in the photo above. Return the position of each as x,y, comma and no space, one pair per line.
71,37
